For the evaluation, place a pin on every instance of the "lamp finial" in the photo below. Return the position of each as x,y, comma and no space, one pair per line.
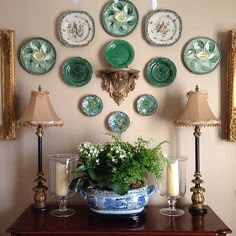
40,88
197,88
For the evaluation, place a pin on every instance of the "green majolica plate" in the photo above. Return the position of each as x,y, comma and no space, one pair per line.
37,56
118,122
161,72
77,71
91,105
147,105
119,53
201,55
120,18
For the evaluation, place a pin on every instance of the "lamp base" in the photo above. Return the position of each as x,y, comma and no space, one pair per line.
197,211
36,208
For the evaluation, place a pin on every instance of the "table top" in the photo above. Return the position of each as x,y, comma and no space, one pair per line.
84,223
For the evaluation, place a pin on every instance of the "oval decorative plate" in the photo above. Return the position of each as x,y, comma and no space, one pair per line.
92,105
163,27
118,122
161,72
37,56
147,105
120,18
77,71
201,55
76,28
119,53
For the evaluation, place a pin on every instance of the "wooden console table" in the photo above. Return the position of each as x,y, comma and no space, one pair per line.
84,224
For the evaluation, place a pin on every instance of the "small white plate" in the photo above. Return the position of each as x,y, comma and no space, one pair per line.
163,28
76,28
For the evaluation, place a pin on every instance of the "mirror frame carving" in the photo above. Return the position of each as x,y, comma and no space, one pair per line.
7,78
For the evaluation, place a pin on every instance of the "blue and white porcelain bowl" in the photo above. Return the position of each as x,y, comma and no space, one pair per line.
109,202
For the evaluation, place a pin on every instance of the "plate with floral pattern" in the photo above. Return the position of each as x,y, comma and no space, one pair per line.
161,72
163,27
91,105
118,122
77,71
201,55
147,105
37,56
119,53
76,28
120,18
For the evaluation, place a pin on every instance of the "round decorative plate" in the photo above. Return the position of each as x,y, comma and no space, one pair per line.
147,105
120,18
91,105
161,72
76,28
201,55
37,56
118,122
163,27
77,71
119,53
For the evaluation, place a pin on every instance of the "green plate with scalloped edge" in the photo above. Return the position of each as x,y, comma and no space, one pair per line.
77,71
120,18
92,105
161,72
118,122
147,105
119,53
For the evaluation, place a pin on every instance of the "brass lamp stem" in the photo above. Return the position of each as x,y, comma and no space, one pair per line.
198,199
40,195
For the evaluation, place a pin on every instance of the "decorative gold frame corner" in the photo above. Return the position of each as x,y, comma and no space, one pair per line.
118,82
7,78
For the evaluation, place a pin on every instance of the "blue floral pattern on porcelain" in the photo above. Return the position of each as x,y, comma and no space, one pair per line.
109,202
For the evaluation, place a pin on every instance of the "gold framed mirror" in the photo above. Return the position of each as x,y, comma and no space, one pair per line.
7,85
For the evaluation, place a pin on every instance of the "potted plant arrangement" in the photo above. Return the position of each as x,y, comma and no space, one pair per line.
112,176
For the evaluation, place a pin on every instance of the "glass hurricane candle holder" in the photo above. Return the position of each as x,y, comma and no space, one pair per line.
61,167
172,185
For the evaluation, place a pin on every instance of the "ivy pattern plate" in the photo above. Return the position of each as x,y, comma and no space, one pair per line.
37,56
201,55
91,105
120,18
77,71
76,28
161,72
118,122
163,27
147,105
119,53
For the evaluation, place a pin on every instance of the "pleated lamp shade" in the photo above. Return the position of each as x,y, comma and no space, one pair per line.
197,111
39,111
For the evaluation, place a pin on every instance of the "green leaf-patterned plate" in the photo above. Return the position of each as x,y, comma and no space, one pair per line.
118,122
119,53
201,55
161,72
91,105
37,56
120,18
147,105
77,71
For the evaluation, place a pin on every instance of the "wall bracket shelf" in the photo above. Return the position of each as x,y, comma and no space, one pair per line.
118,82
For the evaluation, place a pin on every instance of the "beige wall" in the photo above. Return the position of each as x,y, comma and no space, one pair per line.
39,18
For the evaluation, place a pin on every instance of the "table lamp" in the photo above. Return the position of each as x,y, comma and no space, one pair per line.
39,114
198,114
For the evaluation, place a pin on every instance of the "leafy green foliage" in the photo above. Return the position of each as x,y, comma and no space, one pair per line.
117,165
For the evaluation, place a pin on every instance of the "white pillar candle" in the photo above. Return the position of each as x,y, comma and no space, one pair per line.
173,179
61,180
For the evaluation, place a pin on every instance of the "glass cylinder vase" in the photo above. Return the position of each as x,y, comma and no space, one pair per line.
172,185
61,167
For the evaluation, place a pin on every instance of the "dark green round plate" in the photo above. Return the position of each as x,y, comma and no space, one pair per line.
77,71
119,53
161,72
